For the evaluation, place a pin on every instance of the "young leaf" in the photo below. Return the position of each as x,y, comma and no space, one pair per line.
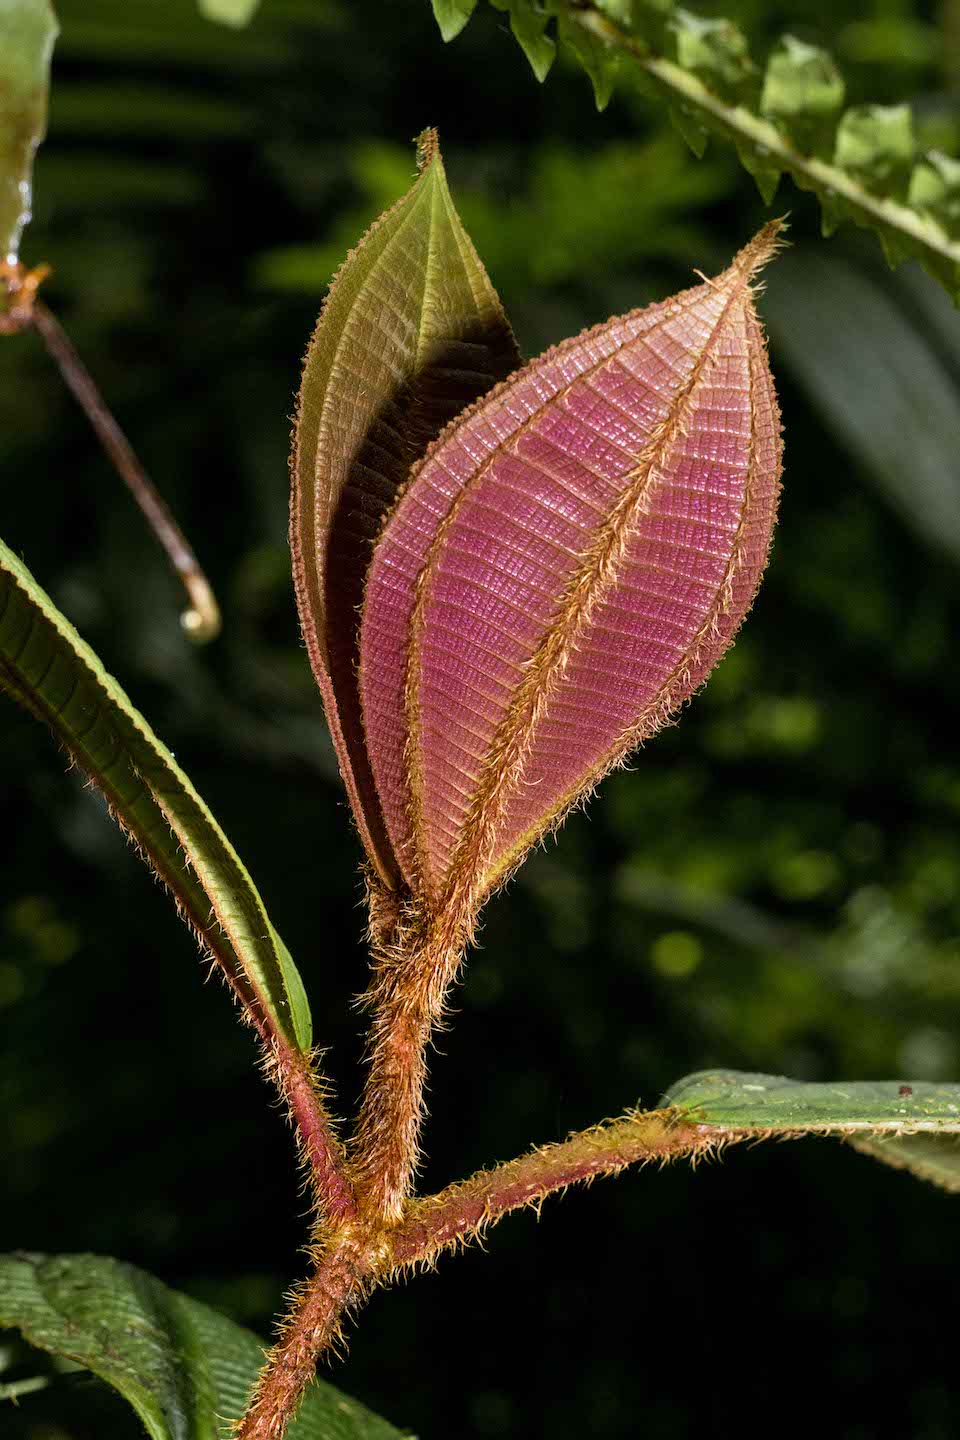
567,565
47,667
28,29
914,1126
186,1370
411,332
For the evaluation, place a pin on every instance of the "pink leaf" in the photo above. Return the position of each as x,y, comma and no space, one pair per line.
569,561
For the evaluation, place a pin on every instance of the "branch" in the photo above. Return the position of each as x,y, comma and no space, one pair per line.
463,1212
770,145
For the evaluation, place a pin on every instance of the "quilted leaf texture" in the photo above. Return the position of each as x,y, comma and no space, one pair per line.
411,332
569,561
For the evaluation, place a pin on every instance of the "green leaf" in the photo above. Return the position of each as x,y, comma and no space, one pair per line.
229,12
373,396
529,25
47,667
597,59
685,122
185,1369
875,143
914,1125
803,92
452,15
716,50
28,30
935,189
756,161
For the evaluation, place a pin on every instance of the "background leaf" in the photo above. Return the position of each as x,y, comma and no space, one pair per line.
185,1369
28,30
229,12
47,667
884,384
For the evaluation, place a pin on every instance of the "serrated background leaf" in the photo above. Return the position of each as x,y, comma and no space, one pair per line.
185,1369
411,332
452,15
28,29
47,667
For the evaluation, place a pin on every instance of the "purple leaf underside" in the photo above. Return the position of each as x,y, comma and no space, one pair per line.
567,565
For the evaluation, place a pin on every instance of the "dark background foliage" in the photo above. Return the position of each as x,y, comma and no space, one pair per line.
773,885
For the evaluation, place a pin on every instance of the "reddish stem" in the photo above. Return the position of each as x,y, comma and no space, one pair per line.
312,1327
298,1082
463,1211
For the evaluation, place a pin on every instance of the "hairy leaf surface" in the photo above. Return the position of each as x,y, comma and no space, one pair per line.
186,1370
911,1125
28,29
47,667
412,332
569,562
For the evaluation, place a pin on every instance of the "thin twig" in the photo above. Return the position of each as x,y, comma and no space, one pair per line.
202,620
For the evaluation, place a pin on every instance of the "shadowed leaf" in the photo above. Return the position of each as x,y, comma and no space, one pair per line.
28,30
882,386
47,667
185,1369
569,562
412,331
911,1125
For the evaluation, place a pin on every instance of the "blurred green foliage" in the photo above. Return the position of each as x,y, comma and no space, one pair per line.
774,884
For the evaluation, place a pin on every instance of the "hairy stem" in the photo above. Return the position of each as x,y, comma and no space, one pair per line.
462,1212
202,620
412,975
302,1090
762,137
312,1327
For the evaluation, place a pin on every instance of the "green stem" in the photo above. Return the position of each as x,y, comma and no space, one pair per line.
745,128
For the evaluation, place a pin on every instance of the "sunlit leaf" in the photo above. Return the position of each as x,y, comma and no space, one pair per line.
912,1125
186,1370
411,332
452,15
802,90
875,143
935,189
716,50
565,568
229,12
28,30
47,667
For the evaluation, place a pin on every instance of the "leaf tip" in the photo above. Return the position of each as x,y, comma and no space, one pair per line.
759,251
428,148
